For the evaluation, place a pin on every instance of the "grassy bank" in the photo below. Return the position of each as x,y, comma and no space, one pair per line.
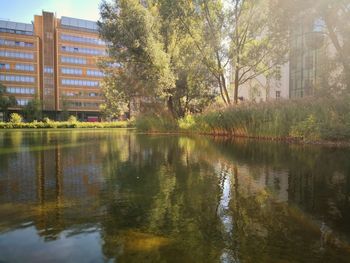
66,124
311,119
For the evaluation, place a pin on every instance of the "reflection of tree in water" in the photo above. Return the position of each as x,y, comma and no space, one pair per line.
183,200
171,200
266,223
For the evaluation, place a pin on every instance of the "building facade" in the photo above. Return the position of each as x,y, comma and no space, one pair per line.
53,60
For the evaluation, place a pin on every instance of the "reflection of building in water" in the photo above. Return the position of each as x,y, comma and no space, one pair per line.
258,178
56,187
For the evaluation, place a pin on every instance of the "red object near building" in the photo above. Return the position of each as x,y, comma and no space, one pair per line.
92,119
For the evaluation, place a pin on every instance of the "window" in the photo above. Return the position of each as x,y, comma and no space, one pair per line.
78,104
48,70
4,66
73,60
12,54
22,102
89,51
20,32
20,90
278,94
17,78
86,40
72,71
95,73
78,82
24,67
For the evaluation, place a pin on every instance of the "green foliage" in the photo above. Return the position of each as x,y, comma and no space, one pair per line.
156,123
48,124
305,119
33,110
6,102
133,33
308,128
72,119
15,118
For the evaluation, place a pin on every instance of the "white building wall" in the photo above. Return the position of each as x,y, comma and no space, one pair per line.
261,89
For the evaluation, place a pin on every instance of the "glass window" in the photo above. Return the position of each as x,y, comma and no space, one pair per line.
48,70
13,54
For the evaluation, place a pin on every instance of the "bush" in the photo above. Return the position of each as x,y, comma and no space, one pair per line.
302,119
156,123
56,124
72,119
15,118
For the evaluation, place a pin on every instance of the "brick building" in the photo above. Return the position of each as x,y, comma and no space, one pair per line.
55,60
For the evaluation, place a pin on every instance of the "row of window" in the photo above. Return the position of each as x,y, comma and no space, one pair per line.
76,71
20,32
12,54
81,94
72,71
87,40
6,42
73,60
17,78
76,82
22,102
24,67
17,90
77,104
90,51
95,73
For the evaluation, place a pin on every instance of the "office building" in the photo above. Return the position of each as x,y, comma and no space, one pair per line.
54,60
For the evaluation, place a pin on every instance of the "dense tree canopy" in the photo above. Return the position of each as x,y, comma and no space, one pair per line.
183,54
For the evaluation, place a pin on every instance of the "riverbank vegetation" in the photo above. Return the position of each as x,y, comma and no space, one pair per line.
182,65
309,119
16,122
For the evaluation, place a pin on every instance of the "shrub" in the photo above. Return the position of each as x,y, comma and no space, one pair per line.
307,119
15,118
72,119
156,123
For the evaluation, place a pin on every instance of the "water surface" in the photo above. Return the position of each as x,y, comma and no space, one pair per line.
105,195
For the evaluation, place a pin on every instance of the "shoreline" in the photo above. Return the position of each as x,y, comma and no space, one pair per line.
289,140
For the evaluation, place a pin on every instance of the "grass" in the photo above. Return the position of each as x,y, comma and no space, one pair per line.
304,119
66,124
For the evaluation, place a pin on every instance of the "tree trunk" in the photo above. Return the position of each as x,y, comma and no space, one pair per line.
236,85
170,105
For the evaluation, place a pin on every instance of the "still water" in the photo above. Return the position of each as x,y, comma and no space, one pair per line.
118,196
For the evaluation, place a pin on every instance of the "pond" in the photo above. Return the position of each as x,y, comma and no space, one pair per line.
108,195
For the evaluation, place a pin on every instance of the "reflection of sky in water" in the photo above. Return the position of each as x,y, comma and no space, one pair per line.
223,211
21,244
225,217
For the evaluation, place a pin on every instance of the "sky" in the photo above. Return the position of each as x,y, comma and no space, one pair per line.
24,10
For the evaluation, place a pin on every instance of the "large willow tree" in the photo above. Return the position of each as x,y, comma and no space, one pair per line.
156,61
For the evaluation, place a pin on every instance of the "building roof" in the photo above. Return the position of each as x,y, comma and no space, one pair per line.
16,27
79,24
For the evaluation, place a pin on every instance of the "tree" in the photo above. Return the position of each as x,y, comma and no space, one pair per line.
6,101
194,87
143,67
33,110
116,103
189,90
236,35
65,105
